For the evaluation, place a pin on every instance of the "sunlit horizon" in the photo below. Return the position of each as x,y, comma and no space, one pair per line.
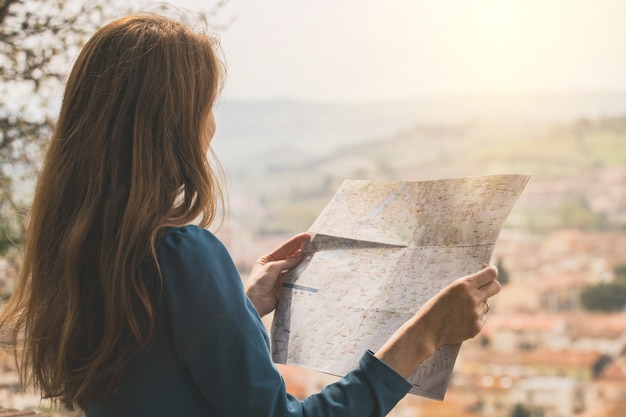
365,50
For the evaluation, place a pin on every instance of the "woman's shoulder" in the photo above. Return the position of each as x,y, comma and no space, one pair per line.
193,261
189,238
191,247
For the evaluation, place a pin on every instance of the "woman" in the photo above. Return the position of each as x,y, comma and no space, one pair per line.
124,307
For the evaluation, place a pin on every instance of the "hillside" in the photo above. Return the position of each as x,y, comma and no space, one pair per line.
579,161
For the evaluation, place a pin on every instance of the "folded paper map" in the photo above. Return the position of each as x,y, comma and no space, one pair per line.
378,252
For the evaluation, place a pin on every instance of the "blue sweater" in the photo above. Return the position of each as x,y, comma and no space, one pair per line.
211,357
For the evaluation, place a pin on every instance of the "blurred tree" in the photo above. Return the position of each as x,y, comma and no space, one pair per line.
520,411
605,297
503,273
600,365
620,272
38,41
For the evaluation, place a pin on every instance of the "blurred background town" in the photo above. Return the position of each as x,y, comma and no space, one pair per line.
545,96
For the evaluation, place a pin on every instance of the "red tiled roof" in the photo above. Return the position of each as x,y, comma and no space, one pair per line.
598,325
607,410
607,326
563,280
536,357
295,380
614,372
523,322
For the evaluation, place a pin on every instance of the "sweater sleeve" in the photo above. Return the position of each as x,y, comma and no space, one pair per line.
220,338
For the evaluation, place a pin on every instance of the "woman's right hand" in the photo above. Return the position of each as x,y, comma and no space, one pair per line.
455,314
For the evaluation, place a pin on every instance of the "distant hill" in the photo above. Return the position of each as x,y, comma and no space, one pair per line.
290,174
256,134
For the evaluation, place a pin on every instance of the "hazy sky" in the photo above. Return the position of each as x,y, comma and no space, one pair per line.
395,49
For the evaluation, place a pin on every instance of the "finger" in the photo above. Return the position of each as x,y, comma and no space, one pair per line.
485,276
489,290
289,248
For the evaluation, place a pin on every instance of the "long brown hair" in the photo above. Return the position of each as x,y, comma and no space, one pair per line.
127,159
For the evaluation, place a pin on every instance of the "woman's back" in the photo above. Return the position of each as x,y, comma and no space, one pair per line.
211,357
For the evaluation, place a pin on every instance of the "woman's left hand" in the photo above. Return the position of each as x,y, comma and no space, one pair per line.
266,276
